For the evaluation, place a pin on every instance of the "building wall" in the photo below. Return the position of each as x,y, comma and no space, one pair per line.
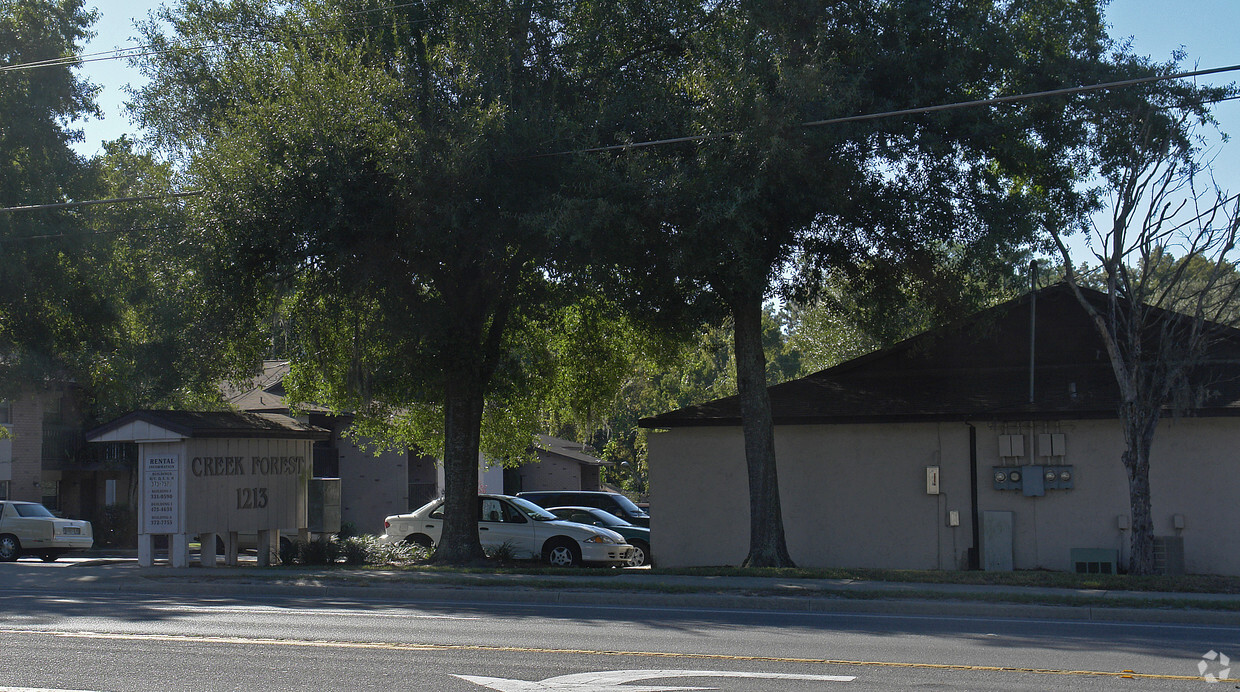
855,495
26,469
372,486
552,472
6,454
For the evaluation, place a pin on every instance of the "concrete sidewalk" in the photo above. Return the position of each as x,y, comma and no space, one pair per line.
119,572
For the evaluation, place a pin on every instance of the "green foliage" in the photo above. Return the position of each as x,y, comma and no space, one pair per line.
373,182
504,553
354,551
369,550
850,314
169,342
49,301
681,374
106,295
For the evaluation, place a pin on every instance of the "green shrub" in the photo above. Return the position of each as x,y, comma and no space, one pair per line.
324,550
505,553
290,552
355,549
347,530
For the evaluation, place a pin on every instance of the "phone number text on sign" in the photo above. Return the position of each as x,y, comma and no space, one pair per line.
160,501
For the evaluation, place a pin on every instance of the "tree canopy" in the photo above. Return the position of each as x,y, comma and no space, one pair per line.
375,180
880,199
48,306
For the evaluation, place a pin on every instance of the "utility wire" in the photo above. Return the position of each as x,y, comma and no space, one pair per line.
114,200
150,49
53,236
698,138
915,111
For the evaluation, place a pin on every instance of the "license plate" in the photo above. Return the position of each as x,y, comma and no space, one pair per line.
72,531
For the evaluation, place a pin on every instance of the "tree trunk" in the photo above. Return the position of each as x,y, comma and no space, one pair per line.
1139,434
458,544
767,547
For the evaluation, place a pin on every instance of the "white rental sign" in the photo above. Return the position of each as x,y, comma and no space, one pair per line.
161,494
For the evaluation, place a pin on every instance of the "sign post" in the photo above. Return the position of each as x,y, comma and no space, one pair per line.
162,494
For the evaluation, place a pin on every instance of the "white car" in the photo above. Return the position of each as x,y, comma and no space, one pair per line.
27,528
526,529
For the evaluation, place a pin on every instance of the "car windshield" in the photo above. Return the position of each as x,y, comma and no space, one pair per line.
532,510
32,510
628,505
608,519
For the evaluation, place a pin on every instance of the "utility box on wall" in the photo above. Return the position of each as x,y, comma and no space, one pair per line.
211,474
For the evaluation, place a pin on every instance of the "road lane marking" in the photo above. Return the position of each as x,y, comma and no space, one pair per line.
616,680
400,646
278,610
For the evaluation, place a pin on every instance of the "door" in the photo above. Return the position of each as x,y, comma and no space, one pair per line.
500,525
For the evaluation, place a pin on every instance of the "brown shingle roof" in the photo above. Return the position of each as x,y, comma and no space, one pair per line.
977,369
220,424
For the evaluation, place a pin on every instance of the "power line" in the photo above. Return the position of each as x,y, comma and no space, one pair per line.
113,200
125,53
1068,91
53,236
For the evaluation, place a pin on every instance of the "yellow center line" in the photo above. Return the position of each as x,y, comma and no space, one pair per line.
396,646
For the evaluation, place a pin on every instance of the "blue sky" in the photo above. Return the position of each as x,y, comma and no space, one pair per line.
1205,28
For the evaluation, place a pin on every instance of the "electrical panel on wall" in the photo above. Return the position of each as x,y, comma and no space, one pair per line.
1052,445
1011,445
1058,477
1007,477
1048,478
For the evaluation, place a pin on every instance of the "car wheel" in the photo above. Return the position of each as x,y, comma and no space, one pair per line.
10,548
641,553
562,553
420,539
48,557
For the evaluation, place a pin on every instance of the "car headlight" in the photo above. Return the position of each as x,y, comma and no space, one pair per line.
598,539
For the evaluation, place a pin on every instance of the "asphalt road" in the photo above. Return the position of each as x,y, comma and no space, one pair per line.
104,640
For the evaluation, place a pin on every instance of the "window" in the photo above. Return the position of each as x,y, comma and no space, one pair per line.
51,494
4,490
54,410
6,412
492,510
32,510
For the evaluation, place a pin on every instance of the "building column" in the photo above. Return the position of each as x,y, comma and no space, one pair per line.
206,549
179,550
27,467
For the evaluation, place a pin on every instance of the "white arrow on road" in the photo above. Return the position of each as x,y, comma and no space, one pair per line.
614,680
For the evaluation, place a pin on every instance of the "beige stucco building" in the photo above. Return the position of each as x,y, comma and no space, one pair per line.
905,459
43,459
377,482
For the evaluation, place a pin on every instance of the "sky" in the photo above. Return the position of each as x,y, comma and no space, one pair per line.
1206,29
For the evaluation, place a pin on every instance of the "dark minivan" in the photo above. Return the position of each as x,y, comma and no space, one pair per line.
615,503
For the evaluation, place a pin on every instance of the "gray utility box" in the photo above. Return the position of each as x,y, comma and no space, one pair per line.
323,495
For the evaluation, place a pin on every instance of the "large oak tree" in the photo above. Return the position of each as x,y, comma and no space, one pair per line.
889,197
370,172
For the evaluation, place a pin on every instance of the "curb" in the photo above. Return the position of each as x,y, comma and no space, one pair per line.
823,603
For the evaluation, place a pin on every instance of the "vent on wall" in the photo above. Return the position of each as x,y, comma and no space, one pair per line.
1094,560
